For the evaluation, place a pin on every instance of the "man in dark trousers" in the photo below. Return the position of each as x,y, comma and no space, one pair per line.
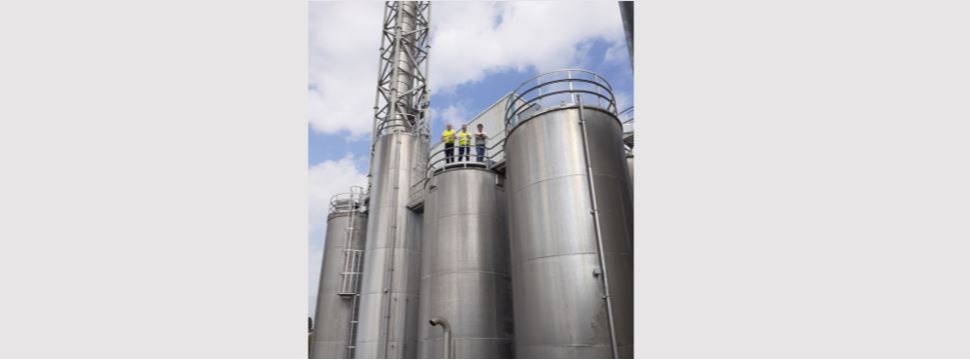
448,137
480,138
464,143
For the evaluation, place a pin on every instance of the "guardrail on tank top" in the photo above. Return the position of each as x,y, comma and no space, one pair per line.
557,89
467,159
345,202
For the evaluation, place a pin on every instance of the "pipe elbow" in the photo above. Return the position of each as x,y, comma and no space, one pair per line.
436,321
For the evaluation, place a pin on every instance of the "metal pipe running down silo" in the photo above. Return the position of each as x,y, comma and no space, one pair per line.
446,348
626,13
596,224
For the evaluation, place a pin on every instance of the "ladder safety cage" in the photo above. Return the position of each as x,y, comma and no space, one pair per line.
353,259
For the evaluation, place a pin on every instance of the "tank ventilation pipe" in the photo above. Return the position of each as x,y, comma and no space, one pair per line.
447,328
599,236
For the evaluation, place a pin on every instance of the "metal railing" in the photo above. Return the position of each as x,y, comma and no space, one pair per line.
557,89
626,117
345,202
469,160
350,275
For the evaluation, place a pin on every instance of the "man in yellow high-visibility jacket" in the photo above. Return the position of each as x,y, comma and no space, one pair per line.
448,137
464,143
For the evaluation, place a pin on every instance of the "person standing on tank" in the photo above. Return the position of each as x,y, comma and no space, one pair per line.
448,137
464,142
480,139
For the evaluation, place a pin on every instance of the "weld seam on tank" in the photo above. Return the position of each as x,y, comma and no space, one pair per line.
467,272
596,224
559,255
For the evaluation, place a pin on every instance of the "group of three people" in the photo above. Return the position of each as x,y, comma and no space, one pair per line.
464,143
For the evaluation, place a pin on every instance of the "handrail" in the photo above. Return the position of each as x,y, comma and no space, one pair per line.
539,90
626,110
488,163
345,202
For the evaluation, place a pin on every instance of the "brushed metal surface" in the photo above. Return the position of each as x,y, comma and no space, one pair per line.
557,293
465,266
387,325
333,312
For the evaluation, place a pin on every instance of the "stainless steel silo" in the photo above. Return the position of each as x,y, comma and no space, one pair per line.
391,280
339,279
570,219
465,277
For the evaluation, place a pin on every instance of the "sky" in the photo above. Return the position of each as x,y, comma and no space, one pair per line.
479,52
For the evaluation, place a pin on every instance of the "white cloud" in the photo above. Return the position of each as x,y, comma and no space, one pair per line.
473,39
326,180
469,41
344,42
623,100
617,54
454,114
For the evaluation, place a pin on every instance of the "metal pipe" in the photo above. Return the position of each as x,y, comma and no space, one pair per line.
395,74
426,124
596,224
626,12
389,272
435,321
377,102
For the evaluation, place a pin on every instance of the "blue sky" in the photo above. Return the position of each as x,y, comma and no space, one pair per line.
480,51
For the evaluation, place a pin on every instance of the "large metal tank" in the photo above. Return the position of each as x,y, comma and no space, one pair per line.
388,317
343,247
465,266
561,236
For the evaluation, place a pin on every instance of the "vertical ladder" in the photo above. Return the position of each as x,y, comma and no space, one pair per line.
352,265
352,330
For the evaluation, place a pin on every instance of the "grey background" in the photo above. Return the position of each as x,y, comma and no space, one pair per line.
803,186
802,171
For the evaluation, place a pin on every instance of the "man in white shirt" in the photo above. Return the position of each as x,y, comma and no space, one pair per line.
480,138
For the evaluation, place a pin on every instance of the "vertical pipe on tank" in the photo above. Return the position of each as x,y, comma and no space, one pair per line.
389,293
629,166
626,13
446,349
596,224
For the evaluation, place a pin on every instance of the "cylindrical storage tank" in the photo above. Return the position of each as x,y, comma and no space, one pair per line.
388,320
465,266
561,310
344,244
